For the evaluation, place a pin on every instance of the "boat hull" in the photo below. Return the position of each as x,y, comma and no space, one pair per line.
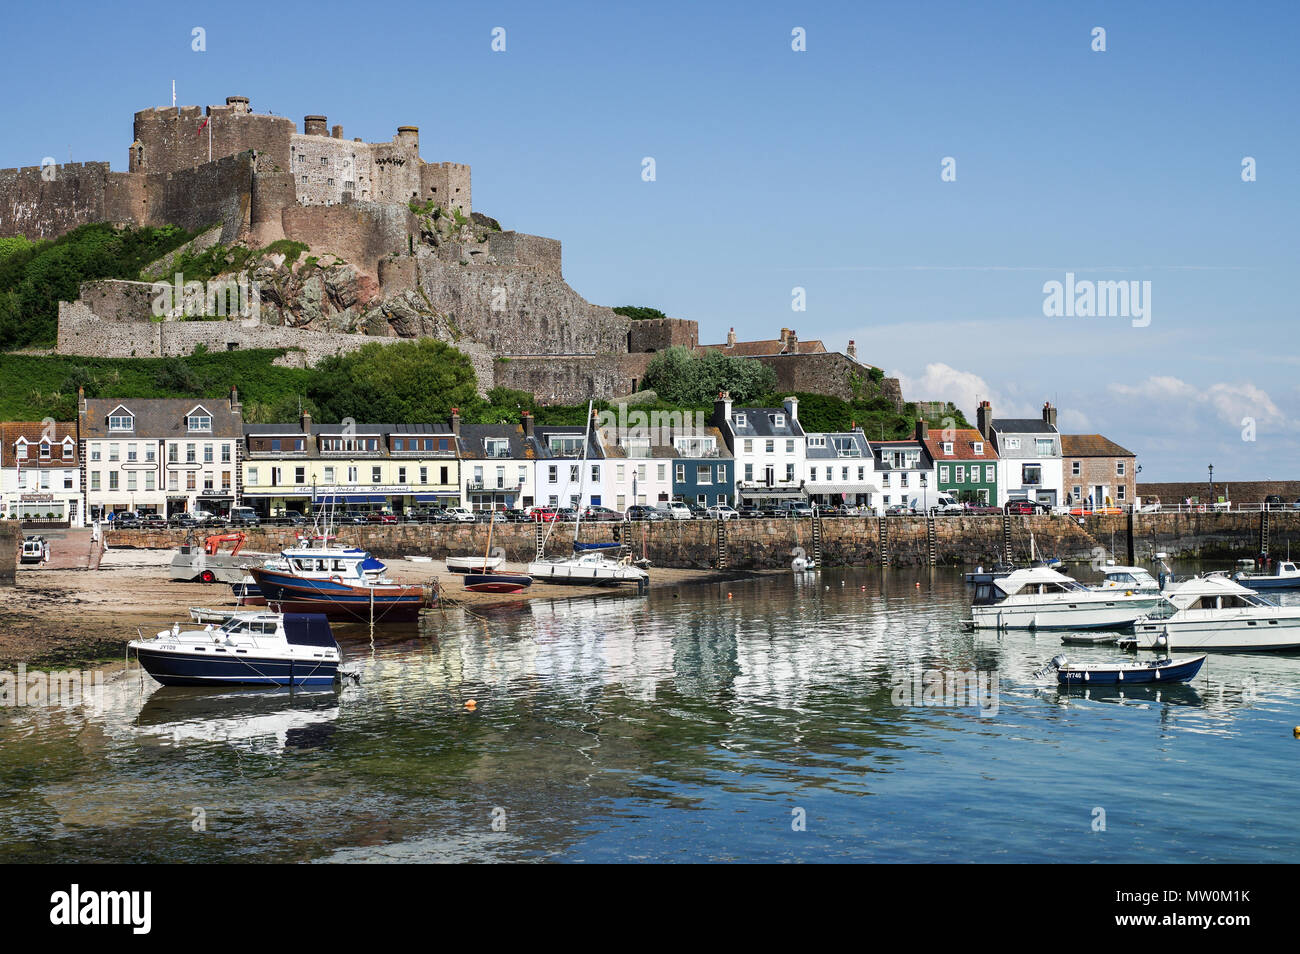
188,669
497,582
473,564
1074,614
1165,671
338,600
1269,582
1239,635
584,575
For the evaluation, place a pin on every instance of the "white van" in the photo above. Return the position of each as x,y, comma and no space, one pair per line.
938,502
678,510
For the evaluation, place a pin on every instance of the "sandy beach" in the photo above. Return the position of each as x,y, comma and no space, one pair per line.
61,617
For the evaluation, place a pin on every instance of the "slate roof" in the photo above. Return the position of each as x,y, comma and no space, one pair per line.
830,453
1091,445
542,434
472,437
1023,425
157,418
758,423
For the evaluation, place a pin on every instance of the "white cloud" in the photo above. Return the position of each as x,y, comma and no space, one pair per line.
941,382
1169,399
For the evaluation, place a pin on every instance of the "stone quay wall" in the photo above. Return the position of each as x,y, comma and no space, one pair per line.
845,541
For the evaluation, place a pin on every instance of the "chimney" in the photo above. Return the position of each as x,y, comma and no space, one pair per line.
785,333
304,421
791,405
455,422
314,126
853,350
922,430
722,410
336,132
792,342
528,424
235,406
731,338
984,419
1049,413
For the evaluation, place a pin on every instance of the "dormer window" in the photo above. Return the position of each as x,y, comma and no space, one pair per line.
121,420
947,447
742,420
496,446
778,420
20,448
816,440
978,447
199,419
45,450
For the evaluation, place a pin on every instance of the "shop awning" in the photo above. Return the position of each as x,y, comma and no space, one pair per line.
352,499
433,498
841,489
791,492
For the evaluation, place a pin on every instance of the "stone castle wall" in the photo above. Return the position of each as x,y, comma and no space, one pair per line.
41,208
361,233
169,138
657,334
1236,491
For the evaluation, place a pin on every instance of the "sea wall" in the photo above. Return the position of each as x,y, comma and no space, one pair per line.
845,541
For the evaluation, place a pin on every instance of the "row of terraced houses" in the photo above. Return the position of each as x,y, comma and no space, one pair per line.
166,456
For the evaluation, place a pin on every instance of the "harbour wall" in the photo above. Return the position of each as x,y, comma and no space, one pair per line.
844,541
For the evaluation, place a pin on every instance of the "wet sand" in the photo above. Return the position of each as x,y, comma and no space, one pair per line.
65,617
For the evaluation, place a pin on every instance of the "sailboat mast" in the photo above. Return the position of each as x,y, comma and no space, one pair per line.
582,474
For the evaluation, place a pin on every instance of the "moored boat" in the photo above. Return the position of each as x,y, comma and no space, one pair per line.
473,564
1041,598
341,583
1127,673
497,582
248,649
1285,576
1215,612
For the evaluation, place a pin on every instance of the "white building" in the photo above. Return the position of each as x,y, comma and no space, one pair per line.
560,480
1029,455
497,469
161,455
40,477
769,448
841,470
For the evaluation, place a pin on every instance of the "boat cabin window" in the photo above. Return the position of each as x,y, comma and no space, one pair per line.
1226,602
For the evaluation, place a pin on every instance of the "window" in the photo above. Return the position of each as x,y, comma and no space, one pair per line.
173,481
595,473
947,447
789,472
225,480
225,452
961,474
45,452
94,452
1119,468
300,475
1013,443
324,161
94,480
978,447
329,475
375,475
112,480
200,422
207,481
424,475
1119,492
742,420
770,447
497,447
749,472
173,451
191,452
148,480
778,420
113,452
401,475
252,476
703,474
722,473
121,422
1076,468
789,447
679,473
1076,492
352,475
130,480
552,474
207,453
620,473
816,440
990,474
943,473
150,453
749,446
1031,474
1044,446
575,473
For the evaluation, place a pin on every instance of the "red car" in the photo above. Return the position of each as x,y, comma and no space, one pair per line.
381,518
545,514
1025,506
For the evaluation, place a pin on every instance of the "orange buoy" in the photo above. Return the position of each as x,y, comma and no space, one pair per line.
471,705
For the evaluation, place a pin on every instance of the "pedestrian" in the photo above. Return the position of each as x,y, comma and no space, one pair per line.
45,552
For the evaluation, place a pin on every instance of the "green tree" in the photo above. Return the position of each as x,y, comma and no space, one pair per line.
681,376
410,381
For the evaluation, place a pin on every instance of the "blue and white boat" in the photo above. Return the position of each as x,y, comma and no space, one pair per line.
340,582
1126,673
248,649
1285,576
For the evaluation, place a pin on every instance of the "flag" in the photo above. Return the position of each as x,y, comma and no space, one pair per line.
205,123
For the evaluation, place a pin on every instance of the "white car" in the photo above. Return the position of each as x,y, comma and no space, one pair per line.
722,512
677,510
460,515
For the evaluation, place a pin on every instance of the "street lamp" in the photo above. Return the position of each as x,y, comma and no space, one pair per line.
1211,483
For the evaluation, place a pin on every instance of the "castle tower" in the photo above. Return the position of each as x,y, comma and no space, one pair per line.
239,105
408,136
315,126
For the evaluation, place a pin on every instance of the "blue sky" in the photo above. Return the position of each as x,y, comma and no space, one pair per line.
778,169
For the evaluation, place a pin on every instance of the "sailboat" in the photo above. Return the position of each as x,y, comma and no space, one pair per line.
491,581
587,566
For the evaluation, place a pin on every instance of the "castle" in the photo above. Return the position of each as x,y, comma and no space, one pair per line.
397,251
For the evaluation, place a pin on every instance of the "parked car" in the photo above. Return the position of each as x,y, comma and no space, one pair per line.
798,508
544,514
982,509
126,520
676,510
381,517
722,512
566,515
351,518
154,521
697,511
1273,502
183,520
459,515
244,517
896,510
749,513
601,514
938,503
642,512
515,516
1026,507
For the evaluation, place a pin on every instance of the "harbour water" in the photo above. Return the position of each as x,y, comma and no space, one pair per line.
766,720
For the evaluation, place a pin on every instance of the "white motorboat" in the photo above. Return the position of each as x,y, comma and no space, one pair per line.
248,649
1040,598
1129,579
1285,576
1214,612
589,568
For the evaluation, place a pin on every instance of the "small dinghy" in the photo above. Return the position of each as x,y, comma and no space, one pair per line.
1126,673
497,582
